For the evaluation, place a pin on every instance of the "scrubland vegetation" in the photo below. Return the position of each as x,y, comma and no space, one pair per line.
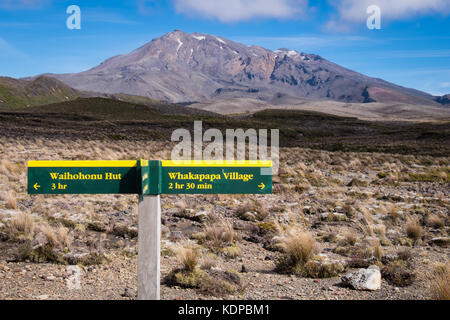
331,212
349,195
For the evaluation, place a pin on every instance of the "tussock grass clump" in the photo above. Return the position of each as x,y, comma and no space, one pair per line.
221,283
349,238
435,175
232,251
252,211
398,273
57,237
50,234
357,251
378,251
189,257
413,229
434,221
20,225
440,282
208,261
220,234
394,214
322,268
205,279
10,200
298,248
405,255
349,210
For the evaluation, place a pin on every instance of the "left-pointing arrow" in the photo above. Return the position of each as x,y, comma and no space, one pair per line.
36,186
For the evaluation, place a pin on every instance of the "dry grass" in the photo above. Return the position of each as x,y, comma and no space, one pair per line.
257,207
440,282
188,257
56,237
50,234
394,213
208,262
378,251
21,223
413,229
63,236
399,273
350,238
10,200
434,221
220,234
298,248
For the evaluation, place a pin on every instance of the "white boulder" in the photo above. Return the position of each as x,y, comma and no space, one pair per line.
363,279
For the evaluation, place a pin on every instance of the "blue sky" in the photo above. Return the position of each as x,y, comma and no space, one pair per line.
412,48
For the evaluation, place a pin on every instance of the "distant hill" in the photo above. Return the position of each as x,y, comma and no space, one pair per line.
366,111
445,99
15,93
114,109
182,67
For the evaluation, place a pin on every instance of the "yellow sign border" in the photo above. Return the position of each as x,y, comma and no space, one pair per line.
133,163
83,164
215,163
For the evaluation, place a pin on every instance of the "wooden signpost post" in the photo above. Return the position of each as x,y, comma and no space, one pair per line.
149,179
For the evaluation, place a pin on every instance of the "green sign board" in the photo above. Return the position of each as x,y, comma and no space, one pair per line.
149,177
83,177
215,177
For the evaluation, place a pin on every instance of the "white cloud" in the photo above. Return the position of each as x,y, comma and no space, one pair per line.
355,10
241,10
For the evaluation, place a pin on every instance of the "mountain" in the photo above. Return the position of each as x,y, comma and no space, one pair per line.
15,93
181,67
445,99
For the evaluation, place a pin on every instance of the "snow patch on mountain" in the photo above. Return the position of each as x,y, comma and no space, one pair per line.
199,38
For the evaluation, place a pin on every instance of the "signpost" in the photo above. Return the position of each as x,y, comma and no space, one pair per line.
149,179
83,177
215,177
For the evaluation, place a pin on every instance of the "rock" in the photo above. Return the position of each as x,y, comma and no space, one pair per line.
176,236
243,269
254,238
440,241
363,279
308,210
127,293
191,214
42,297
201,216
50,278
249,216
389,258
333,216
